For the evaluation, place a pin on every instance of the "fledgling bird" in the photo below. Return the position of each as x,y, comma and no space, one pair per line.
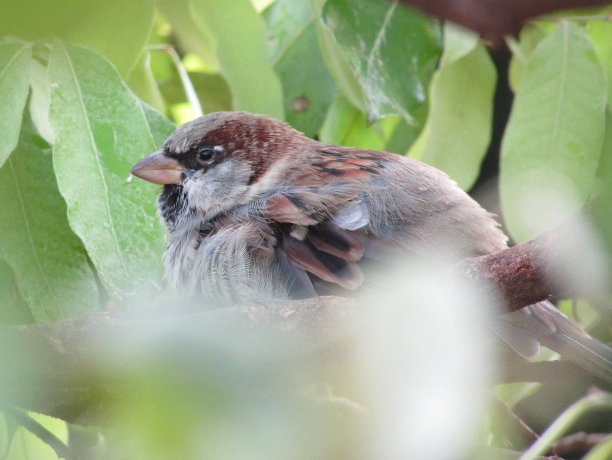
257,211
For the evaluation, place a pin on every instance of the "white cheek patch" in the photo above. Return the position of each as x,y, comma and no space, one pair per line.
219,188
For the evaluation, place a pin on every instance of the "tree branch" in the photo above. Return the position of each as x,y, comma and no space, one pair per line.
495,18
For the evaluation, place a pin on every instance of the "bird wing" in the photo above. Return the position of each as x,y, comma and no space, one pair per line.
351,207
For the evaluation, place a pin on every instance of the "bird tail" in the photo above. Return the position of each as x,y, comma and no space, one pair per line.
546,324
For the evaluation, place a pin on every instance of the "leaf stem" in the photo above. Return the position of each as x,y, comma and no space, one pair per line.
190,92
595,400
34,427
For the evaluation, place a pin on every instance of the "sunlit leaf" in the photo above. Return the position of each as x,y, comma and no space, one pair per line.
529,37
308,89
392,50
14,68
116,28
48,260
458,129
553,141
28,446
601,34
142,82
40,100
244,63
101,132
602,451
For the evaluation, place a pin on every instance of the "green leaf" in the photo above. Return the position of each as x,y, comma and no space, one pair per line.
529,37
189,36
244,63
553,141
458,42
346,125
159,125
40,100
13,307
392,50
602,451
48,260
143,84
14,82
601,34
101,132
212,91
117,28
308,89
603,203
27,445
336,60
458,129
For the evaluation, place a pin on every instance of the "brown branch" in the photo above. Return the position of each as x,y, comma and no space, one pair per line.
579,443
495,18
560,263
67,368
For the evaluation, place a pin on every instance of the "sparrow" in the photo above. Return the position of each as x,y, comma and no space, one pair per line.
255,211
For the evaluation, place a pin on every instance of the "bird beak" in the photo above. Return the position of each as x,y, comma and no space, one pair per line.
159,169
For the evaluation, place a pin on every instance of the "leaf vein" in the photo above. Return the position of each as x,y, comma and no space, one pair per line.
301,31
28,228
98,164
13,59
381,34
564,64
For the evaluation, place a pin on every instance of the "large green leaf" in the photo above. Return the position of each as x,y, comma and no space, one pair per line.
13,307
392,50
159,125
101,132
308,89
553,141
239,34
336,60
117,28
48,260
601,34
529,37
458,129
14,68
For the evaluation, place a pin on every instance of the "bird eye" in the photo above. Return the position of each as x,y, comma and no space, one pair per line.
206,155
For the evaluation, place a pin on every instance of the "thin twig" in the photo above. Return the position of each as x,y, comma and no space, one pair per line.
190,91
